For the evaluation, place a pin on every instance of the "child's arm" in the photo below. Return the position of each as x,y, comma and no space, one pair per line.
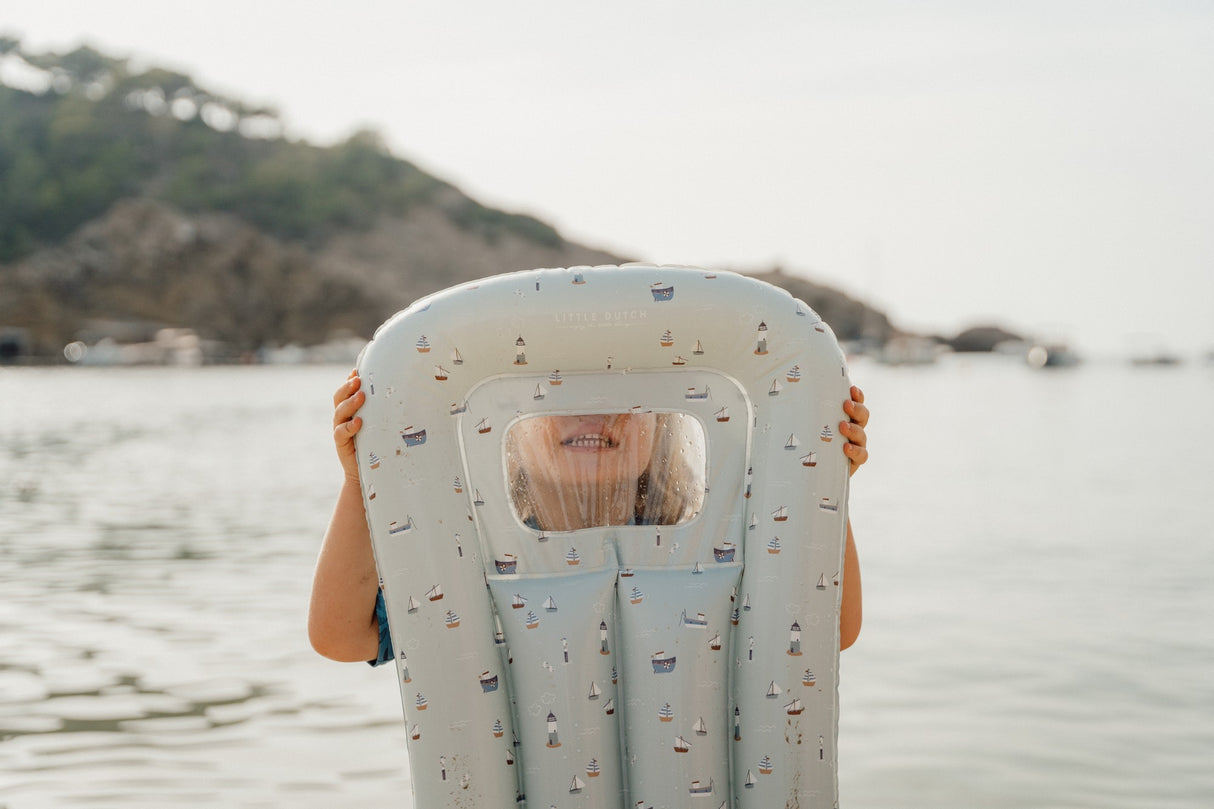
341,616
850,611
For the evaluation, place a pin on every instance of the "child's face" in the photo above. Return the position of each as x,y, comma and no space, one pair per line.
610,448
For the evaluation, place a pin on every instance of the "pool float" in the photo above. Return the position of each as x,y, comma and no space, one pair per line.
685,655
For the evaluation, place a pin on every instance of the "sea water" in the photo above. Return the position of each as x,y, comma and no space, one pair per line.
1034,549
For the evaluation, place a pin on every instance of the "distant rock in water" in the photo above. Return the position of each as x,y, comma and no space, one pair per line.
983,338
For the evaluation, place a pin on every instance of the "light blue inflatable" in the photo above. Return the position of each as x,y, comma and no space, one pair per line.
560,644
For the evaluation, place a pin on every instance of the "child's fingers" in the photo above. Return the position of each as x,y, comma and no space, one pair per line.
346,409
348,387
343,433
857,412
857,454
854,433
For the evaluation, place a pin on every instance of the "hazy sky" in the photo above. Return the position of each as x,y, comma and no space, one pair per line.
1044,165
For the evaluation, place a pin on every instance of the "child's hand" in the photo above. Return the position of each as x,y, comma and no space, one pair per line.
346,423
856,448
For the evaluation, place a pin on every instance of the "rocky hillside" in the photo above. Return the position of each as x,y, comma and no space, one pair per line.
144,198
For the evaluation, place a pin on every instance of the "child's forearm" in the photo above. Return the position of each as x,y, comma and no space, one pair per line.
341,616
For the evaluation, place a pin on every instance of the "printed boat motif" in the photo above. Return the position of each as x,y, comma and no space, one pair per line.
780,514
415,732
498,729
483,426
792,442
810,460
775,388
459,407
715,642
413,438
662,293
679,360
595,691
573,557
809,678
435,593
662,662
374,460
533,620
698,622
681,745
667,339
488,682
421,703
456,357
458,485
773,545
636,596
765,765
577,785
666,713
700,728
699,349
794,374
609,706
592,768
774,690
724,552
519,602
826,435
828,504
413,604
692,395
539,393
441,373
555,379
507,565
400,528
452,620
422,345
698,790
722,415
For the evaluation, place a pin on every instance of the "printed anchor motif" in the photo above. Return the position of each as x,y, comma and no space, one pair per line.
775,696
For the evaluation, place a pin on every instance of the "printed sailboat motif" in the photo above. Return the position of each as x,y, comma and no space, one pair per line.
573,557
477,500
828,504
780,514
441,373
459,407
667,339
413,604
456,357
421,703
554,378
765,765
415,732
435,593
458,485
715,642
519,602
700,728
452,620
773,545
826,435
794,708
636,596
577,785
792,443
539,392
679,360
774,690
794,374
550,604
422,345
722,415
609,706
681,745
533,620
750,779
483,426
592,768
498,729
775,388
809,460
666,713
595,691
809,678
699,349
401,528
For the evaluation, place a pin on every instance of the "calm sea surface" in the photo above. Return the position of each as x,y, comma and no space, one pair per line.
1038,581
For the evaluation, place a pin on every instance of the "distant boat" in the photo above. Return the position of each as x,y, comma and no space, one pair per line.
700,728
723,415
435,593
765,765
699,789
662,662
554,378
773,545
794,708
549,604
809,460
488,682
533,620
794,374
662,293
667,339
507,565
780,514
423,345
666,713
413,438
681,745
452,620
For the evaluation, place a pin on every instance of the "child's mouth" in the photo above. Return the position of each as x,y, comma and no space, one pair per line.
591,441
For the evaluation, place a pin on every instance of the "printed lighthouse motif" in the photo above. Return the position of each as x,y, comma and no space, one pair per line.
794,639
603,650
553,739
